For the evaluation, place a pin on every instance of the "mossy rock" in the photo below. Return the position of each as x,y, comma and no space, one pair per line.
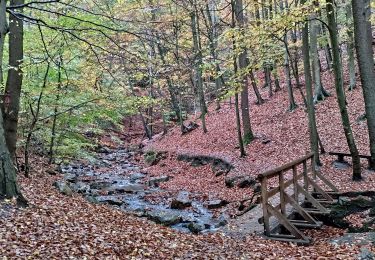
153,157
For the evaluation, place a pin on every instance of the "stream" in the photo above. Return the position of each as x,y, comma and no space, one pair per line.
114,179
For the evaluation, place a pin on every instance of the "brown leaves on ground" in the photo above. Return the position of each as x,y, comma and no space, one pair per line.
60,227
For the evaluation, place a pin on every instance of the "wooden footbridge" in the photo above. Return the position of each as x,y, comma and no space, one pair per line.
292,196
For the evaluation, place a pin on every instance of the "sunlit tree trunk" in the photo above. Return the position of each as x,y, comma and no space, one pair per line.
339,84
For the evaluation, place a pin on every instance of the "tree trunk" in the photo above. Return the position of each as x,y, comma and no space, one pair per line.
3,32
14,80
242,63
292,102
339,84
8,177
198,66
363,40
294,63
319,92
309,96
276,77
213,39
350,46
255,87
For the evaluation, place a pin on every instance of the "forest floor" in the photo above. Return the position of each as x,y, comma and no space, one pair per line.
56,226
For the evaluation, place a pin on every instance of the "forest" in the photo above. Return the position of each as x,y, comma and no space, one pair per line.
187,129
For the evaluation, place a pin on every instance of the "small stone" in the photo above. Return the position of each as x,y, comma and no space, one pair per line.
343,200
125,187
51,172
222,221
196,228
63,187
92,199
155,181
70,177
137,176
341,165
182,201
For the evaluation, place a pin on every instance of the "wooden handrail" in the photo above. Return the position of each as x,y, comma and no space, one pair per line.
285,167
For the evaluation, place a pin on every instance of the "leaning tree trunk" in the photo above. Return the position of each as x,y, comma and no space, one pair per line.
363,40
14,80
339,84
309,96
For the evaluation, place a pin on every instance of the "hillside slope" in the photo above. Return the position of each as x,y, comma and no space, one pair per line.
287,133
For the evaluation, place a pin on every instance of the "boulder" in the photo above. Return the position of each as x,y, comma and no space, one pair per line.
154,157
246,182
103,149
112,200
70,177
155,181
136,176
63,187
182,201
164,217
220,168
230,182
80,187
240,181
215,204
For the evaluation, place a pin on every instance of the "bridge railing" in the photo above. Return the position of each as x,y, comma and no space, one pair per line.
295,187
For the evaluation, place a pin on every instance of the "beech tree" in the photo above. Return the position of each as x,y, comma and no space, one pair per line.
309,93
339,85
365,57
14,79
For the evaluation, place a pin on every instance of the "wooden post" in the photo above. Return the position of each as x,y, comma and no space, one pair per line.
266,217
305,180
282,189
295,183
